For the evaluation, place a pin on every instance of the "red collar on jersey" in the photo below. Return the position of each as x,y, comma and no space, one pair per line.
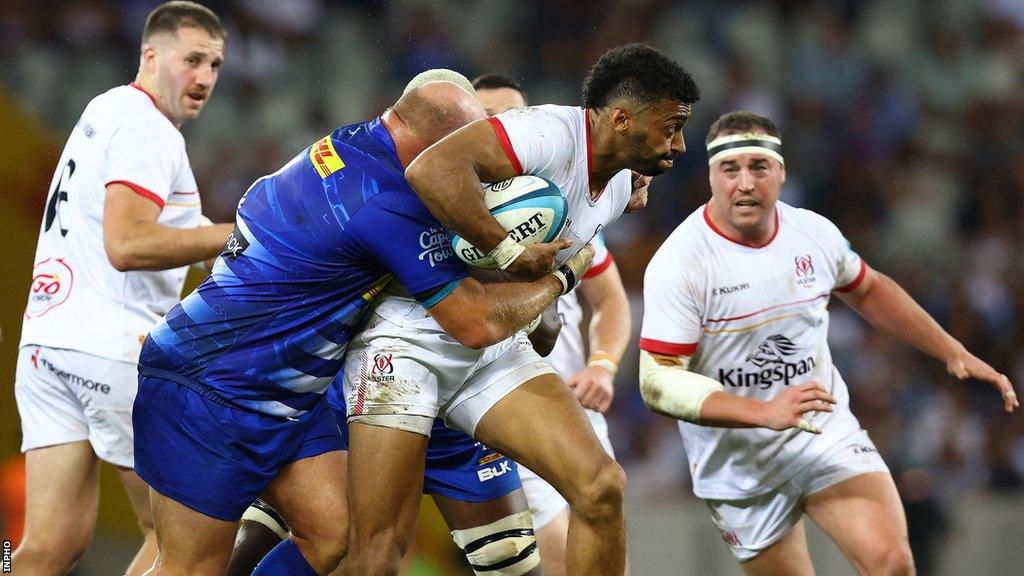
138,87
711,224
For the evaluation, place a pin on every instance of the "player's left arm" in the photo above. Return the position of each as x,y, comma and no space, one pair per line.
888,307
610,327
134,240
448,178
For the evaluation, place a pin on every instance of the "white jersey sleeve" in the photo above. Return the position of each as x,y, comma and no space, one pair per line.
673,300
153,176
538,139
849,267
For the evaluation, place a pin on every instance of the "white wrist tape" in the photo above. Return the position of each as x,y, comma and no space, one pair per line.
506,252
674,390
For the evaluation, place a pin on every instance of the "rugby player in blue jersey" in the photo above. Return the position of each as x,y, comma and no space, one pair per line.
231,383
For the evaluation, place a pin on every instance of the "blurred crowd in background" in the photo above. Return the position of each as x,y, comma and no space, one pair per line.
902,121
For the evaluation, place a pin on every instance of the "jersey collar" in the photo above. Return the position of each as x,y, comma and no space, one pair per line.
139,87
707,218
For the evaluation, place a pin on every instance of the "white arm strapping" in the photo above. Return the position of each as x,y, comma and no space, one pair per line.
673,390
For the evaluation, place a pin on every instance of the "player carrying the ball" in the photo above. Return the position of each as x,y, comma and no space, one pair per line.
636,102
734,344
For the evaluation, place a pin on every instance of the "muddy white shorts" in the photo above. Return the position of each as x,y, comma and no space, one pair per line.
67,396
545,502
404,363
751,525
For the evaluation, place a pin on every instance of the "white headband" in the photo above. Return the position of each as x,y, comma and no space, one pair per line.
746,143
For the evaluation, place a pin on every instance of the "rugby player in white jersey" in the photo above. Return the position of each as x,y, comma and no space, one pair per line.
636,104
589,377
734,344
118,232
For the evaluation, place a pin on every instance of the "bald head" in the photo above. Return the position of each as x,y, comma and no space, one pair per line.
436,109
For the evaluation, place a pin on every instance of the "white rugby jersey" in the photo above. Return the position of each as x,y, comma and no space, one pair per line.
77,299
552,142
756,320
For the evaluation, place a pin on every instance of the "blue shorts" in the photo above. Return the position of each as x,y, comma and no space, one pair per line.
457,466
214,457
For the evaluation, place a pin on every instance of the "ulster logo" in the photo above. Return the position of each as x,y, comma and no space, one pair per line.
773,362
804,266
382,364
804,271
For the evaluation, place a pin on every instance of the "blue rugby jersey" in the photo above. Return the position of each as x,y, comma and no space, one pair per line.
314,243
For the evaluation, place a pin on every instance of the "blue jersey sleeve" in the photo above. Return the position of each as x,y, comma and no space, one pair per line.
399,231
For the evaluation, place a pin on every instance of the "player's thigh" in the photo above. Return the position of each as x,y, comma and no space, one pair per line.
61,496
138,496
190,542
541,425
865,518
385,480
787,557
312,494
459,514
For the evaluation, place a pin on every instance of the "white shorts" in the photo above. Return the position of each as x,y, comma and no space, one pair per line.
67,396
545,502
751,525
404,363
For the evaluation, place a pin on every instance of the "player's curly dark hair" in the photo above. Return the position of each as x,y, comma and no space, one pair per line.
640,73
740,121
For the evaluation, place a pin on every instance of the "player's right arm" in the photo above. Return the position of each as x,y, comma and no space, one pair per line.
133,240
669,388
448,178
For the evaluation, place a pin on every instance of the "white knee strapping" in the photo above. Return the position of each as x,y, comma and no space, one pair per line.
506,547
266,516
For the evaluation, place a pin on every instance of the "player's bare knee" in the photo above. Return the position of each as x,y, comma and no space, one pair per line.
327,542
52,556
888,560
600,495
896,561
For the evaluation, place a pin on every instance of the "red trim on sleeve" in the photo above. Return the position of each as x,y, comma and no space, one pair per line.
144,192
668,348
599,267
856,281
506,144
144,91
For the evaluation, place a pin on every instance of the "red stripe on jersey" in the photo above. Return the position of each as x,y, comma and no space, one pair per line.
506,144
186,193
145,193
856,281
756,312
711,224
144,91
586,127
599,267
668,348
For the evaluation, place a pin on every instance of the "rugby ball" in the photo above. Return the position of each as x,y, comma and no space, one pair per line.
532,209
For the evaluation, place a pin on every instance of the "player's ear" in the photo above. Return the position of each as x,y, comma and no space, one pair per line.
147,58
621,119
783,168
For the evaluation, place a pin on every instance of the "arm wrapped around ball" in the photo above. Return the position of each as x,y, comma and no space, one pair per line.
570,273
